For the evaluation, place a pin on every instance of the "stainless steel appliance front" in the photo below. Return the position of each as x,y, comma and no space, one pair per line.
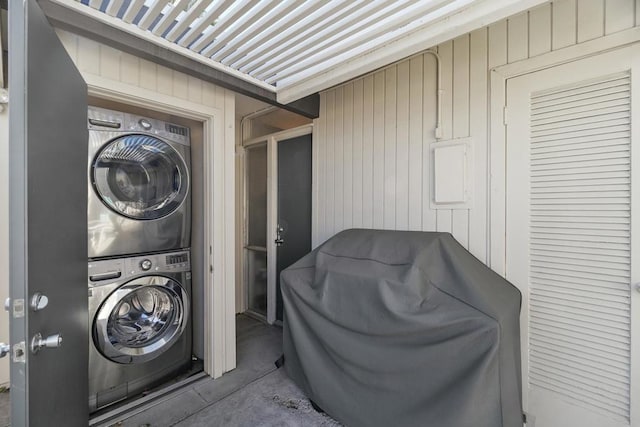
139,197
139,311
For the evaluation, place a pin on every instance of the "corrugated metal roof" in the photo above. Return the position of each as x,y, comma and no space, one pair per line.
285,44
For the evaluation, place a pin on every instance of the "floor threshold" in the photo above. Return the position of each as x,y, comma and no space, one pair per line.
146,402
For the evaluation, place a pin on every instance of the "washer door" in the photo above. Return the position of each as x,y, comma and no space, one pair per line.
140,177
141,319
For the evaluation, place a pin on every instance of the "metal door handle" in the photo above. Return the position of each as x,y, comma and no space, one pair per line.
52,341
39,301
4,349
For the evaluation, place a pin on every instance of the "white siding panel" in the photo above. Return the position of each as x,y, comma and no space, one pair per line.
429,216
194,93
390,121
330,167
88,60
461,100
518,37
540,30
367,152
497,44
70,42
478,105
445,50
402,148
129,69
338,159
149,73
564,24
385,121
378,149
181,86
165,80
414,186
619,15
358,153
347,156
110,61
590,20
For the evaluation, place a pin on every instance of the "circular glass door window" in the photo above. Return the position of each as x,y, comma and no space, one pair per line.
140,177
141,320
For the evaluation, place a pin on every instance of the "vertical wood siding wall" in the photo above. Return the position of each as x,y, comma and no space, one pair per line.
95,58
371,141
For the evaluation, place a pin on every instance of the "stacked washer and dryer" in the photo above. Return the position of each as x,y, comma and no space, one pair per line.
139,222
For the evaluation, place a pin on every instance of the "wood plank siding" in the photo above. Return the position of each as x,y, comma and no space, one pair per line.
371,141
100,60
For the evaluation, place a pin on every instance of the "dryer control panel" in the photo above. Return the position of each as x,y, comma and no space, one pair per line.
109,270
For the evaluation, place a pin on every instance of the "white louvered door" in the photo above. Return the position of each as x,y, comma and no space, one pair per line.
572,205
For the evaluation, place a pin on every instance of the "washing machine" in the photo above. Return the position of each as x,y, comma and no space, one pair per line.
139,184
139,313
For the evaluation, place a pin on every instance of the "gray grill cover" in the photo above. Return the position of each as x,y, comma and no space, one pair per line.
388,328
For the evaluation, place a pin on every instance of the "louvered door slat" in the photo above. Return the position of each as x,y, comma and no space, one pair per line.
580,235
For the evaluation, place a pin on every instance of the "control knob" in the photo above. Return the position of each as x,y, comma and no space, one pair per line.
145,124
145,265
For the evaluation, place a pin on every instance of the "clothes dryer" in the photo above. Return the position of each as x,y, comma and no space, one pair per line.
139,313
139,185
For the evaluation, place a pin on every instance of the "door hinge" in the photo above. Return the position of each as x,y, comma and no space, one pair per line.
4,99
505,121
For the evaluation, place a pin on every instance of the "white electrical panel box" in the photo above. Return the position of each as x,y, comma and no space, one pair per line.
450,165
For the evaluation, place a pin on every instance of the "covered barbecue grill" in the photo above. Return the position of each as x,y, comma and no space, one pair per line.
389,328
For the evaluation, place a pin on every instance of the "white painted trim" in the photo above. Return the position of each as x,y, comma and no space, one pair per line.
272,208
363,61
272,221
497,135
285,134
2,43
165,44
4,239
272,214
219,329
634,410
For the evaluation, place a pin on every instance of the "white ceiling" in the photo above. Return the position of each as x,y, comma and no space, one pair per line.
297,47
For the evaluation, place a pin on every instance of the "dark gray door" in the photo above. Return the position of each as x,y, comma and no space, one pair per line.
294,205
48,213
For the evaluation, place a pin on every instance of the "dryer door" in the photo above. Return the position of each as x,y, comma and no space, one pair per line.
140,177
141,319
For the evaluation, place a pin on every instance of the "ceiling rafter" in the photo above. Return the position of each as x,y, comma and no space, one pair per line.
385,26
358,21
132,11
297,47
237,26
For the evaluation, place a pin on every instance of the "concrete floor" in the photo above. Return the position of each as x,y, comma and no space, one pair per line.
5,406
253,394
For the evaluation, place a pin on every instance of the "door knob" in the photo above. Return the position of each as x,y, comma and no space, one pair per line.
4,349
52,341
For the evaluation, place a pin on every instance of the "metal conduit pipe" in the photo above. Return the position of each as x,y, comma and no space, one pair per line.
438,129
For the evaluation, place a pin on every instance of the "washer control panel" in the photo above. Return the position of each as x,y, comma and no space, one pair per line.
107,271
